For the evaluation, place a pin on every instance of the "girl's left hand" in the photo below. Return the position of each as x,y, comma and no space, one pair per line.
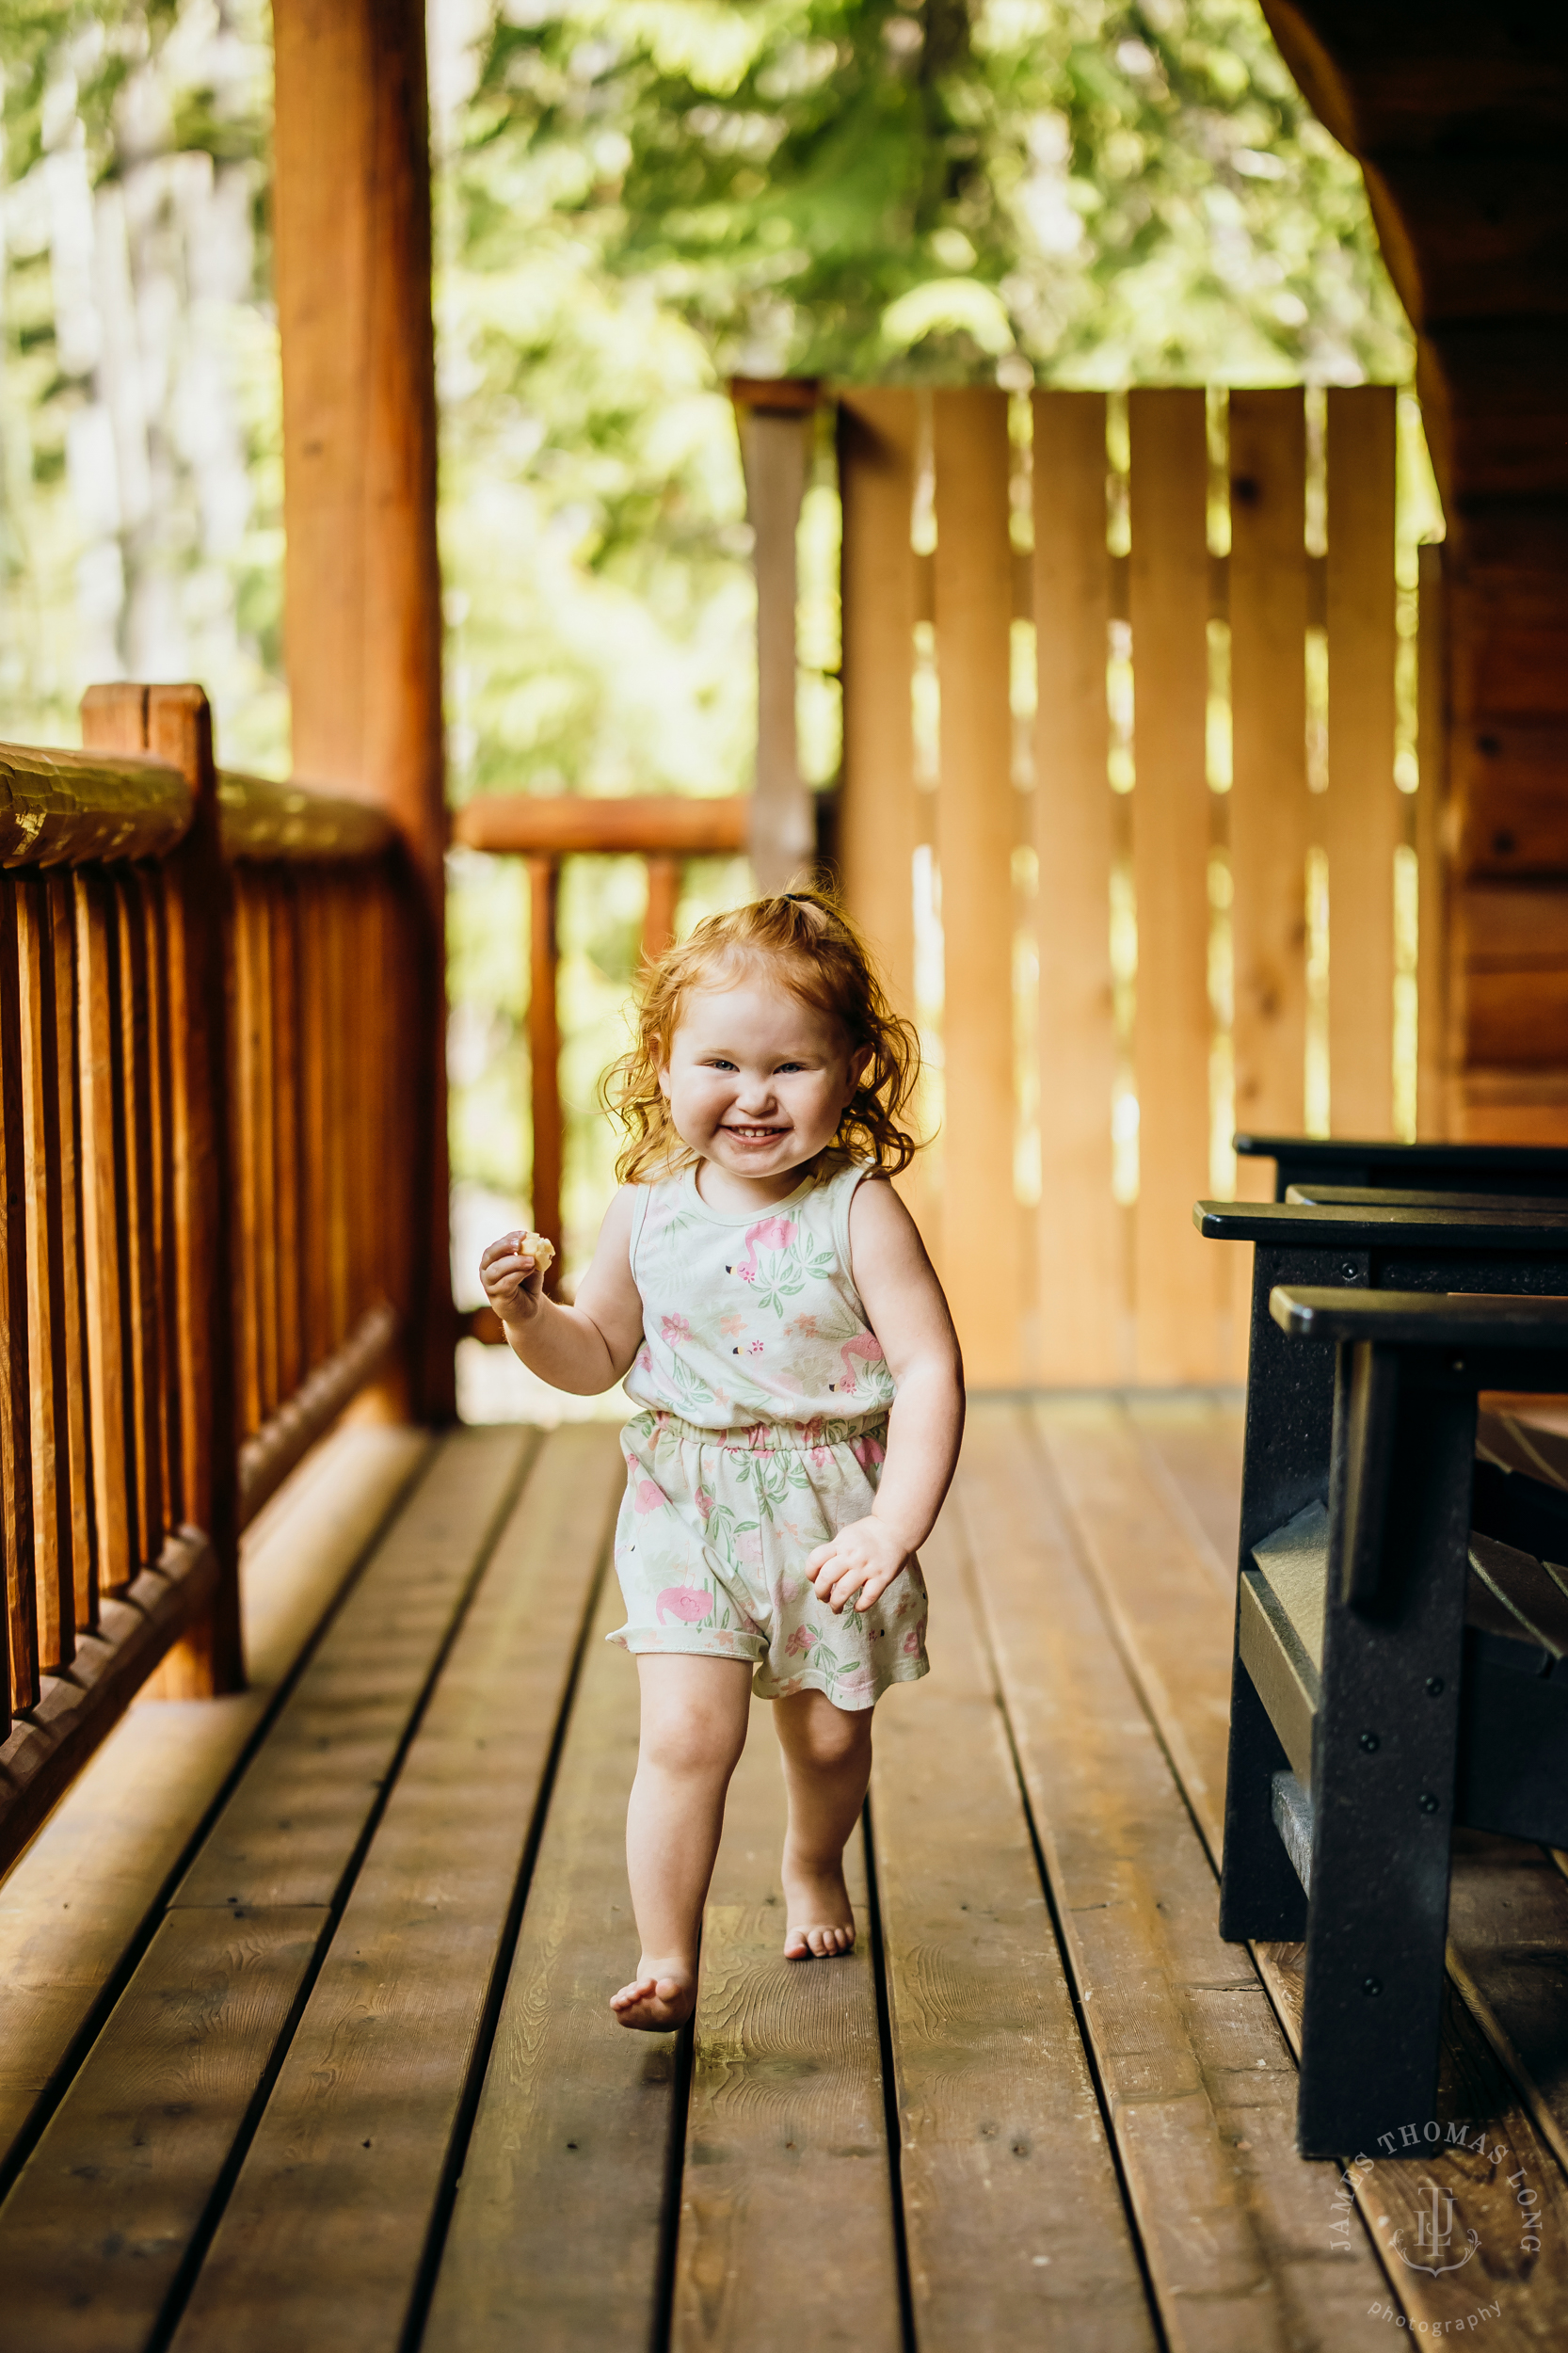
859,1564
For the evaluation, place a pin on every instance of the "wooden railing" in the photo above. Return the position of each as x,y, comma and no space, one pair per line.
205,1154
664,829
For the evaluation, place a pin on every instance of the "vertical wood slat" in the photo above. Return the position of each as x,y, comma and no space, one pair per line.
1431,1051
314,1122
336,979
663,897
291,1365
1364,815
1177,1322
878,435
1269,811
1079,1226
880,822
264,1118
245,1046
102,1178
544,1052
136,1228
160,940
53,1525
16,1478
62,949
977,819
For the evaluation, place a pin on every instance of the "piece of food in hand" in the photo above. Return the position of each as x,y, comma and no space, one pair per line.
540,1249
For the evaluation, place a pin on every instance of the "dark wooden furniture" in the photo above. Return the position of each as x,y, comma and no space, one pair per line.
1295,1451
1521,1168
1399,1672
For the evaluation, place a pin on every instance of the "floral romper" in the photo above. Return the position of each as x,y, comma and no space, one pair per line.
766,1394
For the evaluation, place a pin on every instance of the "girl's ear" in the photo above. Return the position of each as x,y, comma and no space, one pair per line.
665,1080
859,1063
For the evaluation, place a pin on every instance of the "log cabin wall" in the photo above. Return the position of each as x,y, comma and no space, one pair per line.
1122,810
1460,116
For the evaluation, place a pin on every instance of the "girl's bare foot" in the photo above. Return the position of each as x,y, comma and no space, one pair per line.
821,1917
657,2001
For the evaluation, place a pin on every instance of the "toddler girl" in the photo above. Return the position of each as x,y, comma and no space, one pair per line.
764,1292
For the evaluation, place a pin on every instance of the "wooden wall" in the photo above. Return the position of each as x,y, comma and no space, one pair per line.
1460,116
1056,839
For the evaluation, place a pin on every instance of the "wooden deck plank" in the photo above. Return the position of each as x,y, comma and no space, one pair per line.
1175,1634
323,2239
80,1896
575,2117
93,2233
1196,1442
1016,2227
1507,1952
785,2215
290,1830
1194,2068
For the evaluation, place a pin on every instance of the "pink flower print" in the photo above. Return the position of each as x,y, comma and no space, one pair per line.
790,1588
769,1233
704,1501
867,1348
748,1548
645,1361
857,1681
867,1450
732,1326
674,1328
687,1604
911,1644
754,1348
646,1497
799,1642
805,1326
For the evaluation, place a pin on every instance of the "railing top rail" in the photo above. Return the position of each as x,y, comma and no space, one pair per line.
261,820
648,824
79,809
69,808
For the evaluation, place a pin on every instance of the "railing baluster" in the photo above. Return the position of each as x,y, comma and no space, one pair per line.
46,1320
60,896
544,1051
103,1164
16,1483
663,897
137,1218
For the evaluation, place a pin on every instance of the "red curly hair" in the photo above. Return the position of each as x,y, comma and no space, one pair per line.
805,940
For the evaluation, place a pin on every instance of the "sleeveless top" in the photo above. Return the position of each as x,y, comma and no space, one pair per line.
754,1318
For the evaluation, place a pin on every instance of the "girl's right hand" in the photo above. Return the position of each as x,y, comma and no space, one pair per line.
512,1279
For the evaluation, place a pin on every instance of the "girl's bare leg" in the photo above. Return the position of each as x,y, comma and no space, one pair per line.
694,1727
827,1763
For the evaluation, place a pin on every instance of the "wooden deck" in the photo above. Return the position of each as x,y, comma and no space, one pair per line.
360,2087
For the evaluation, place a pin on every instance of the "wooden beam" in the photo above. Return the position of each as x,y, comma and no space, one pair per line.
351,219
676,824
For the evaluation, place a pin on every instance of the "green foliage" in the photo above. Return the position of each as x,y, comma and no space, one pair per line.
1088,192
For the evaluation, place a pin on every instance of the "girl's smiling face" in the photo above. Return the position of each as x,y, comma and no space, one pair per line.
755,1082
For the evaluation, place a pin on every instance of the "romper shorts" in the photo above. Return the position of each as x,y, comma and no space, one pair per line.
712,1544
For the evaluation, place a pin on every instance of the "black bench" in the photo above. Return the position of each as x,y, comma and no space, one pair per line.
1411,1672
1484,1168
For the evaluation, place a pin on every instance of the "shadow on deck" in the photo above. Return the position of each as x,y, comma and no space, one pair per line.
360,2087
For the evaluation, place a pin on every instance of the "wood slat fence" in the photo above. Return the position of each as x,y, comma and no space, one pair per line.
205,1125
1106,925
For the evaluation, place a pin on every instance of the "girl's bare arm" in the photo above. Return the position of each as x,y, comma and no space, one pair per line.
907,1310
584,1348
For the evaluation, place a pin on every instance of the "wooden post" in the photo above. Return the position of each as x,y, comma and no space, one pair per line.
16,1468
544,1054
351,216
775,438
